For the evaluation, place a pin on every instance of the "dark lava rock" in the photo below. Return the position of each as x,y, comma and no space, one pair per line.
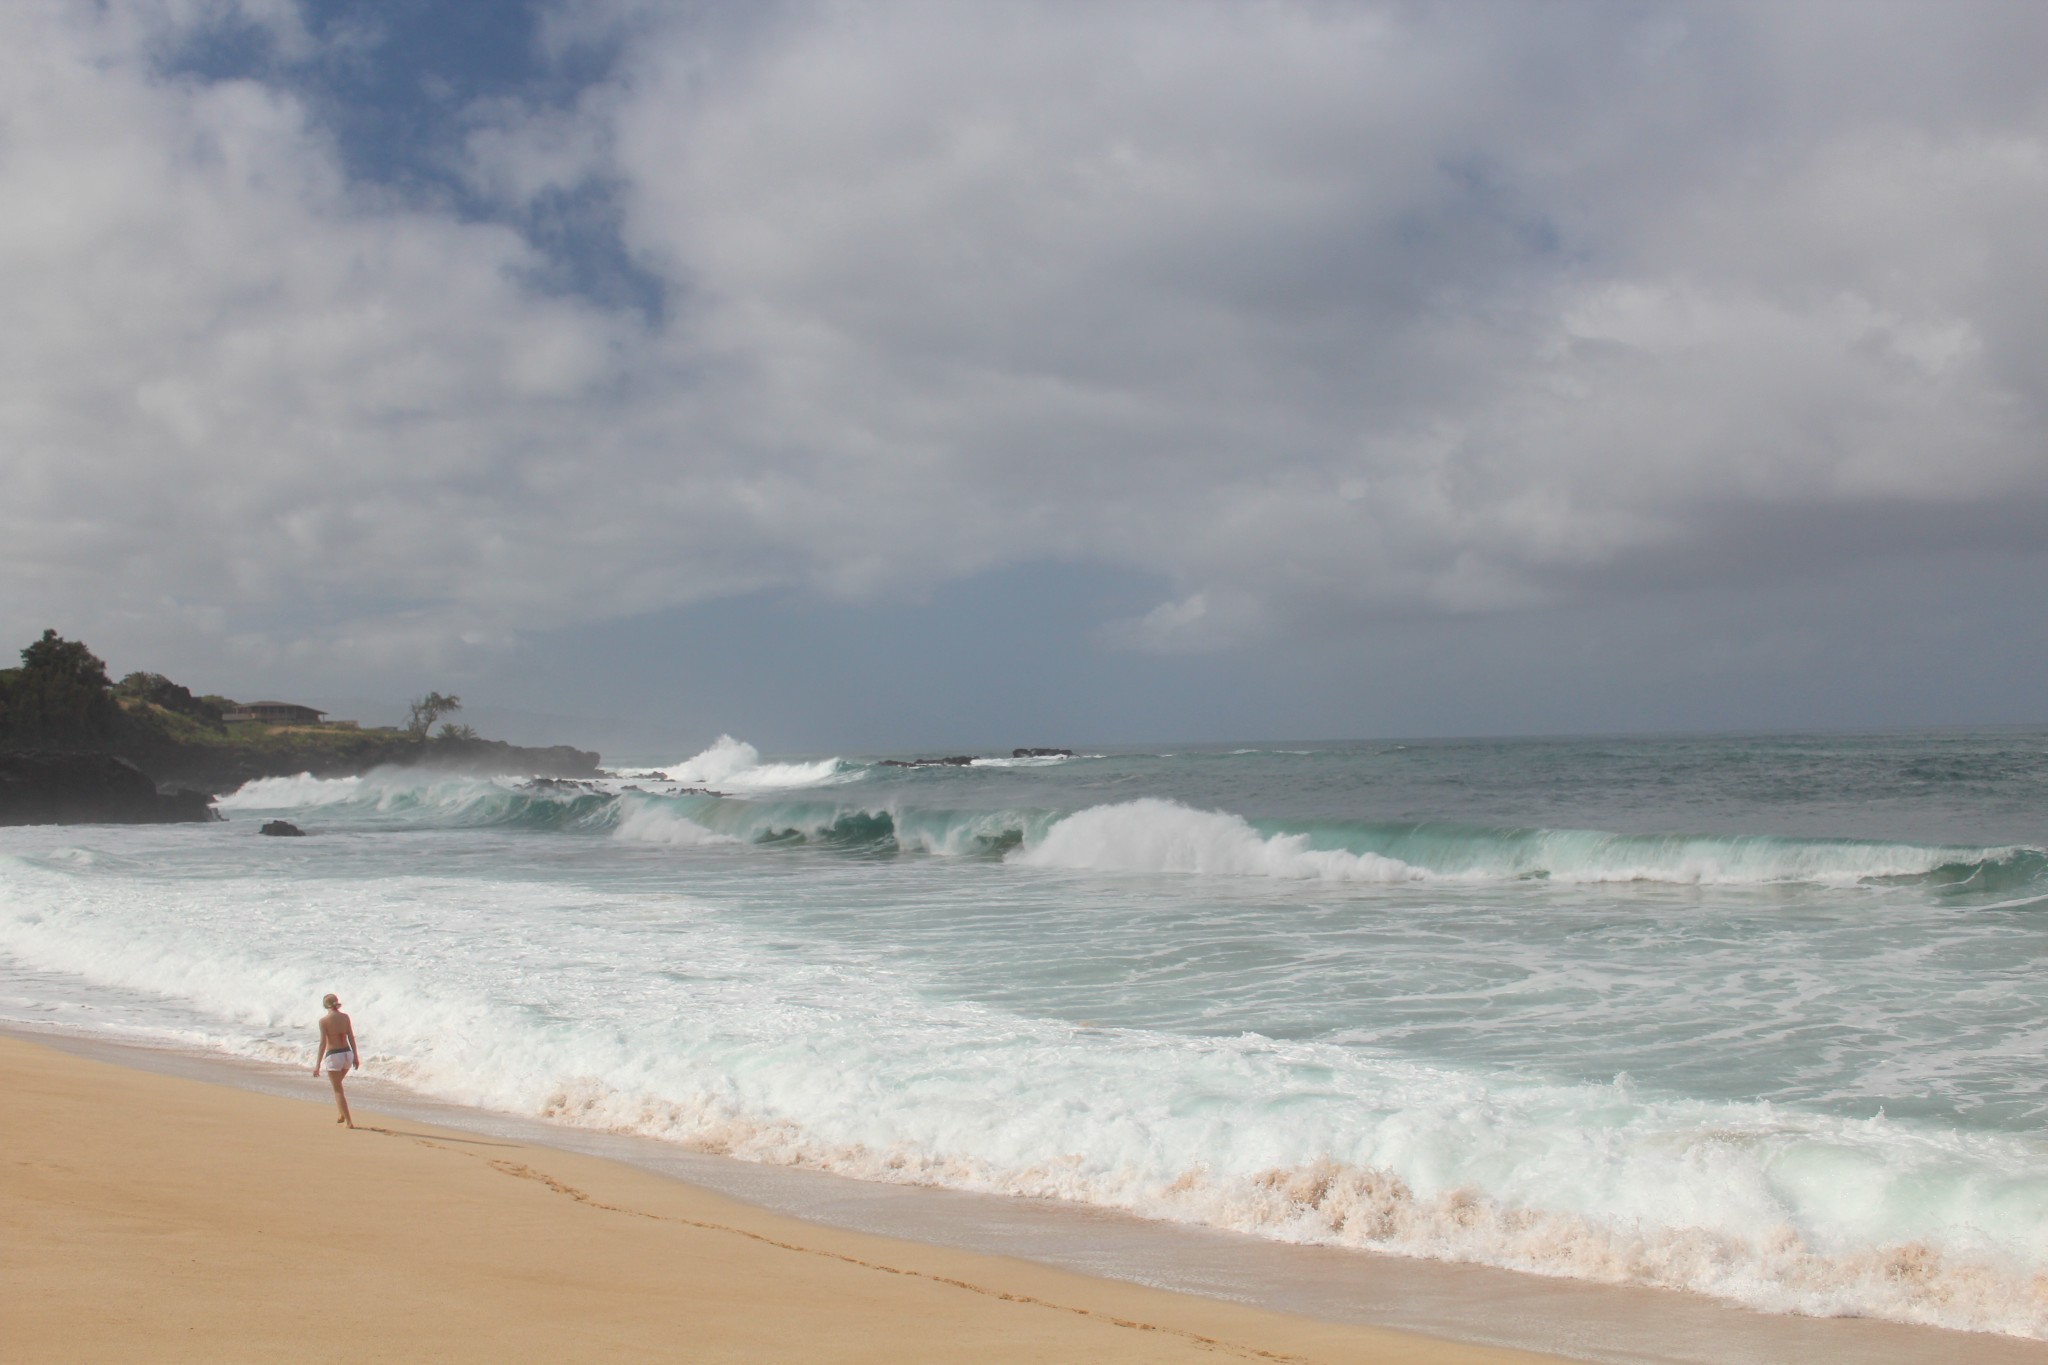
558,784
282,827
40,788
1041,753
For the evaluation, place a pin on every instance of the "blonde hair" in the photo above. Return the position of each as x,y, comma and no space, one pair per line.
330,1000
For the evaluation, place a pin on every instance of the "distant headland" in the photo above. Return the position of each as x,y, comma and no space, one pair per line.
77,747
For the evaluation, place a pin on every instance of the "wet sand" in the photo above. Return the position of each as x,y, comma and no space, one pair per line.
160,1217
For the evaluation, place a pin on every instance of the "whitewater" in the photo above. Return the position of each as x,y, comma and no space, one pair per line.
1753,1017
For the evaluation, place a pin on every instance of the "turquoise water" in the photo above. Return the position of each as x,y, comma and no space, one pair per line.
1756,1017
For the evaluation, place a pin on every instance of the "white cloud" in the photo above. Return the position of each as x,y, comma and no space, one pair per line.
1161,286
1311,310
1197,623
233,380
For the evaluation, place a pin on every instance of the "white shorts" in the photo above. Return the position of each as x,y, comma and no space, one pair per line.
338,1061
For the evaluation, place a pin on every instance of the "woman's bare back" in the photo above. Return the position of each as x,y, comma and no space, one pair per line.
337,1033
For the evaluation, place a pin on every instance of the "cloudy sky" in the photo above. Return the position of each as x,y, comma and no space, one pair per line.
870,376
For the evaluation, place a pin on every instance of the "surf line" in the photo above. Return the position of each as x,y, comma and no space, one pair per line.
519,1170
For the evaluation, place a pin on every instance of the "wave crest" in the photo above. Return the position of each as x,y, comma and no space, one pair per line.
291,793
1146,836
735,765
429,797
1151,835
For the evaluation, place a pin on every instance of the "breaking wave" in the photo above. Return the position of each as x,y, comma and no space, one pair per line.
1152,835
1157,837
735,765
291,793
1148,836
406,796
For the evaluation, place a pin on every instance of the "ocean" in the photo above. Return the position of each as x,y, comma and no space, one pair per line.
1760,1018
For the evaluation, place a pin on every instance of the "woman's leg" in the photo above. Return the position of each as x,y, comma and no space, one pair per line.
335,1078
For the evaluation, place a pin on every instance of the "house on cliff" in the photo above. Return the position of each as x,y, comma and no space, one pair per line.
273,713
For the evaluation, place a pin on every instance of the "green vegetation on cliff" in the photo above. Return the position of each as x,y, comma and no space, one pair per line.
60,699
160,692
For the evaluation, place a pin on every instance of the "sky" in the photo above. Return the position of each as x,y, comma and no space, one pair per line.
906,376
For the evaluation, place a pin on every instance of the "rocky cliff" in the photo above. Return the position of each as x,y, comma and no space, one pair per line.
42,788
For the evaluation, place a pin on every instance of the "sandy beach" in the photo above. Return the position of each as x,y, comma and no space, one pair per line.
145,1214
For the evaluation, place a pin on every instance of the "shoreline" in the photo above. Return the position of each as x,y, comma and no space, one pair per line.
1379,1307
193,1221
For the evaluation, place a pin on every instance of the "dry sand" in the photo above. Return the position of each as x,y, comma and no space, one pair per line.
151,1217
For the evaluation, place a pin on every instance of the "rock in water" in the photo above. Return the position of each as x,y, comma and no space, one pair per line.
283,827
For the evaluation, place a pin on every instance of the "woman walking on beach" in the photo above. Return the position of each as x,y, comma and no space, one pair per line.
337,1052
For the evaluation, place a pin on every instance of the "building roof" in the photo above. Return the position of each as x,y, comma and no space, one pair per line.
251,708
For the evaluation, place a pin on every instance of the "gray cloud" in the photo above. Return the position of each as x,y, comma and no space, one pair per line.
1311,310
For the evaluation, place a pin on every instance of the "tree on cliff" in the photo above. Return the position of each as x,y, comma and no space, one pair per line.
58,698
427,710
158,690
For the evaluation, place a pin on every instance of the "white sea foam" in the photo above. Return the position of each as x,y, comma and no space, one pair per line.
1030,761
1594,856
735,765
648,821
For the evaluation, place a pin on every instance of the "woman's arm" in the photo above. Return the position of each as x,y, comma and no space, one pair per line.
355,1058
